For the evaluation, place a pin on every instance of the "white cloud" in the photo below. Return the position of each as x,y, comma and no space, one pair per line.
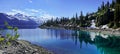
40,13
32,12
30,1
47,16
14,11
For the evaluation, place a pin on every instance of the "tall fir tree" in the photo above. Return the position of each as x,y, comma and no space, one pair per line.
112,4
117,14
103,7
108,4
81,15
118,1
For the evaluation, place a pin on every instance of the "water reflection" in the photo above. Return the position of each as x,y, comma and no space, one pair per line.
60,34
82,36
71,41
106,44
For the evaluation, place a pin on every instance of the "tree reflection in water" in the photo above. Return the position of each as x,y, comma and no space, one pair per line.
106,45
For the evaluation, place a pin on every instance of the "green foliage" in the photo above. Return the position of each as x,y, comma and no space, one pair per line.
118,1
9,38
8,35
9,27
8,43
116,25
112,5
2,39
117,14
111,24
15,29
107,14
16,35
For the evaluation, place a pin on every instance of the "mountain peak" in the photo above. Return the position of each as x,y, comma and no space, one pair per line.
18,14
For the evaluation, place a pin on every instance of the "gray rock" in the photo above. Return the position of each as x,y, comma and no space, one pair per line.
23,47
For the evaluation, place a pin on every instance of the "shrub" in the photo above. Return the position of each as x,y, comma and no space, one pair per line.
111,24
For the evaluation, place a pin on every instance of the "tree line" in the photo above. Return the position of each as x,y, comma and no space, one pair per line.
107,14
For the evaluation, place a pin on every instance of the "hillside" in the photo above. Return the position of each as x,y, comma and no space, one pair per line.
107,16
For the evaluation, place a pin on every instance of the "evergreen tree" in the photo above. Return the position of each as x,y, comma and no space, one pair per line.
99,9
77,19
105,15
103,7
113,4
86,17
82,19
72,19
76,16
81,16
117,14
118,1
108,4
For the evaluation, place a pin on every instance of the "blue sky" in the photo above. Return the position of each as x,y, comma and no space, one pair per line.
49,8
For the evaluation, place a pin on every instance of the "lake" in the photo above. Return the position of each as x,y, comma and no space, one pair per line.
61,41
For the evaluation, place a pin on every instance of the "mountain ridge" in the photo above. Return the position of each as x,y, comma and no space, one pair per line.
17,20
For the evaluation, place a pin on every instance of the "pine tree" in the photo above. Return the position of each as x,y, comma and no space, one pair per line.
99,9
73,19
108,4
82,19
113,4
76,16
81,16
77,19
103,7
118,1
117,14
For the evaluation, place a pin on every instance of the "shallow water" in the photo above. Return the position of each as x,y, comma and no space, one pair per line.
61,41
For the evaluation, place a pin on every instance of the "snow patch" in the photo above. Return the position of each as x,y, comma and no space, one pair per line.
93,24
104,27
113,9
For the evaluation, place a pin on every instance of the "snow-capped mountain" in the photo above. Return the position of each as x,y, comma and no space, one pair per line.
27,18
18,20
21,17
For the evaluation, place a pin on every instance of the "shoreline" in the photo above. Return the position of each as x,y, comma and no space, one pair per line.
40,48
23,47
103,31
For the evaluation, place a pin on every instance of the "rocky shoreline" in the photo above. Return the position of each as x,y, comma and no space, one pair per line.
22,47
103,31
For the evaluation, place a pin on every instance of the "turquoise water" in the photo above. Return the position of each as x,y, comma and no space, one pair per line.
61,41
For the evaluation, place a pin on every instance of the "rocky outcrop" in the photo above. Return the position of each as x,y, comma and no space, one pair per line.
22,47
